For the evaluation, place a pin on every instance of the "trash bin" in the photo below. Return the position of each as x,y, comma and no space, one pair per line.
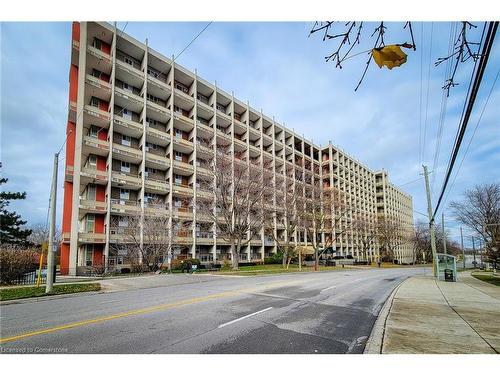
448,275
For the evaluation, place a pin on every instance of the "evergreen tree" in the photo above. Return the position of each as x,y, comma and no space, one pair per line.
11,231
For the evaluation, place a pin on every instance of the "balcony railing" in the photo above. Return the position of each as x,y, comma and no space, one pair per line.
126,178
162,160
125,206
96,112
158,134
100,55
92,205
129,96
96,143
94,174
158,108
98,83
156,184
126,123
127,151
91,237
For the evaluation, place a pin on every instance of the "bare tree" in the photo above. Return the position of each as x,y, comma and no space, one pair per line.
289,206
391,234
147,238
480,211
239,205
326,216
366,230
349,34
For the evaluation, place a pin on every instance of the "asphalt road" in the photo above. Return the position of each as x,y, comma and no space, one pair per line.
326,312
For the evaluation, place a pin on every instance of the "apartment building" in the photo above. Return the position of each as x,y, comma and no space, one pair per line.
139,133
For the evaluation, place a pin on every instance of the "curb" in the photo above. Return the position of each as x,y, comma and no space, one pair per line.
374,344
47,298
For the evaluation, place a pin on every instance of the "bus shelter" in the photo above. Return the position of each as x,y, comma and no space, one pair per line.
446,267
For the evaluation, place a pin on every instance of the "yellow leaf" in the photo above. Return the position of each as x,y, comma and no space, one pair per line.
389,56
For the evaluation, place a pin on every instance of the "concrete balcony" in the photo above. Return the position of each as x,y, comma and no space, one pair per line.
91,237
129,69
99,55
127,127
68,175
90,175
183,239
127,153
182,189
242,144
156,209
66,237
98,84
156,185
123,206
159,109
127,181
182,212
183,166
129,96
92,206
203,128
97,113
95,146
157,136
157,161
184,121
183,145
159,84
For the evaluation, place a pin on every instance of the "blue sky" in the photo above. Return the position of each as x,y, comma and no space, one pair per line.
279,69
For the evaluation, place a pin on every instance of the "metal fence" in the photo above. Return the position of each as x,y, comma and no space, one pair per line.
29,278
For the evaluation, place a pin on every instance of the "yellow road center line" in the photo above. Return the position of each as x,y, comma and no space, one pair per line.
117,316
140,311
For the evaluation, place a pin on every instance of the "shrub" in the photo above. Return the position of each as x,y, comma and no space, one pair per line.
125,270
274,259
226,265
183,264
15,262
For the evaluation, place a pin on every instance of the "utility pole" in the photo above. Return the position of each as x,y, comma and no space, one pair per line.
431,219
462,241
444,233
51,253
474,251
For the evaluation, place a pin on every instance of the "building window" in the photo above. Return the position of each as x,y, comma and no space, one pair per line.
89,254
94,131
126,140
97,43
92,161
178,179
94,102
178,156
125,166
123,222
96,73
91,192
124,194
127,114
90,223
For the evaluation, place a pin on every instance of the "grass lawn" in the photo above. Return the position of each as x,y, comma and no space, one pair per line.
265,269
32,291
488,277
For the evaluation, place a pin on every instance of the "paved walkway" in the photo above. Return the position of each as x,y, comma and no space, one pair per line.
429,316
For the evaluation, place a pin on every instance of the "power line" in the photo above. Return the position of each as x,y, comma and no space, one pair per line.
420,97
490,36
427,94
473,134
192,41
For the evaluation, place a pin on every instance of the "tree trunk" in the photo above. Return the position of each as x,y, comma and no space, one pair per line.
316,260
235,255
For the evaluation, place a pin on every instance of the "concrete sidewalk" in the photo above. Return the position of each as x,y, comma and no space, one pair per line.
428,316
